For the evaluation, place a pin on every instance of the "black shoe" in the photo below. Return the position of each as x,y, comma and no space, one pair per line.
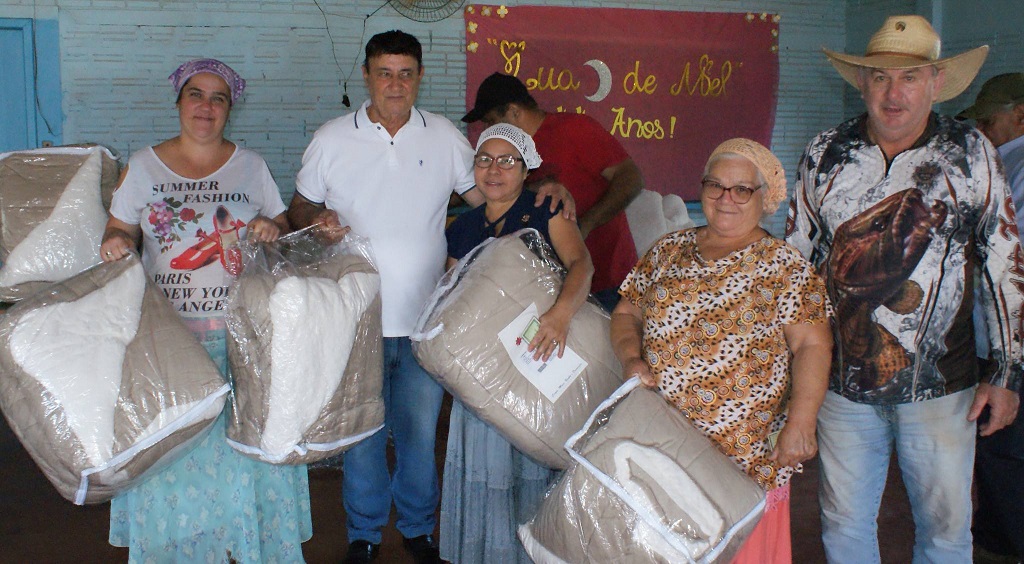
361,552
424,549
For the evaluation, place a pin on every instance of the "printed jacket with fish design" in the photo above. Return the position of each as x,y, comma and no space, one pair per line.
905,253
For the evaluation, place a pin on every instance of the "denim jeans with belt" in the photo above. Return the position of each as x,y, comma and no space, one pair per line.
412,403
934,445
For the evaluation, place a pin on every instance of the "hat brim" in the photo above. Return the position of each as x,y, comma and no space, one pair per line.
960,70
476,114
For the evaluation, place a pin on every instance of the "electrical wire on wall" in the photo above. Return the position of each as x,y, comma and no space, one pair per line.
35,75
355,62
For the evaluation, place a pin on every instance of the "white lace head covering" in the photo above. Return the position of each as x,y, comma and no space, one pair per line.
518,138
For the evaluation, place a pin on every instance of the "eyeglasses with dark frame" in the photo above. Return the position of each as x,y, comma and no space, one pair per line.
740,194
505,162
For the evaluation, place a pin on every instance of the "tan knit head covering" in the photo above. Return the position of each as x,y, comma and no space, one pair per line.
765,162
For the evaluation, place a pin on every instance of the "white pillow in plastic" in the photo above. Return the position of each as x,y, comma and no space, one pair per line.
52,225
645,486
651,215
457,341
102,381
305,350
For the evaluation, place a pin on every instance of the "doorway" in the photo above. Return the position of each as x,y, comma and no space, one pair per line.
30,95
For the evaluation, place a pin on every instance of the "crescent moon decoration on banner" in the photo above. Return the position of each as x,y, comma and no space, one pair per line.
604,75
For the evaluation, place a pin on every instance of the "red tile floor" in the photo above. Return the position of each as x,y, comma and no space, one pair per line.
38,526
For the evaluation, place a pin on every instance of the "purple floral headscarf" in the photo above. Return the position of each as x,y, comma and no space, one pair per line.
186,71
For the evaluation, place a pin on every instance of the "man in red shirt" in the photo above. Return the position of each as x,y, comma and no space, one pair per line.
579,153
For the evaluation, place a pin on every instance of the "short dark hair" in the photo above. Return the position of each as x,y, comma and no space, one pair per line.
394,42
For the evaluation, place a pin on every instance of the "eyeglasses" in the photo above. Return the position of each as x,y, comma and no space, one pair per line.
505,162
740,194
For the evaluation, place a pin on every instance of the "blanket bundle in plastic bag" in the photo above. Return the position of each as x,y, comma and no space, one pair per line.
53,204
457,341
646,486
305,349
102,382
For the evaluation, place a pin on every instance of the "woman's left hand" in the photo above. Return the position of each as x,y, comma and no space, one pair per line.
263,229
554,329
797,443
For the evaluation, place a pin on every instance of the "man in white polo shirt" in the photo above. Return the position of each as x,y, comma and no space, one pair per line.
386,172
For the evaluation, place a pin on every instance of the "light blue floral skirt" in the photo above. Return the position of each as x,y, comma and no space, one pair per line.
489,489
215,505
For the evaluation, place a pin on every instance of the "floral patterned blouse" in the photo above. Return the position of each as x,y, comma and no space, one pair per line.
713,337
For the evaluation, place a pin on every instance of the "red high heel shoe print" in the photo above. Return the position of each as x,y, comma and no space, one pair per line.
227,231
199,255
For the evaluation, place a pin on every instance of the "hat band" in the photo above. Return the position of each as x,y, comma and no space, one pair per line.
898,54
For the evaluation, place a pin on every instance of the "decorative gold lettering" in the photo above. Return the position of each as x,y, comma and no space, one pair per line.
564,81
704,85
626,127
650,82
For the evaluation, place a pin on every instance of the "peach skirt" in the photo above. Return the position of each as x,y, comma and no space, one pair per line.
770,542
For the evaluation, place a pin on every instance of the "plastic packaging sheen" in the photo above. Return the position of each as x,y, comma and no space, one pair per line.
645,486
305,350
457,341
102,382
53,204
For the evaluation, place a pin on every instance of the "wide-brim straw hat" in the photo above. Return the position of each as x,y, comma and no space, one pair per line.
907,42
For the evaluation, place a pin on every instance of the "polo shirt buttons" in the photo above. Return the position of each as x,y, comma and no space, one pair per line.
392,142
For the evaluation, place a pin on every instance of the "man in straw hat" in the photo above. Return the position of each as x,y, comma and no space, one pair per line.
899,208
999,517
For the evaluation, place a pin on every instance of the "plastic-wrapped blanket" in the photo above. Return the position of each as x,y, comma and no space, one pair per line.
646,486
305,349
102,382
457,341
52,214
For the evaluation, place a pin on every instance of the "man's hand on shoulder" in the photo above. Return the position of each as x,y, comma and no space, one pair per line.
549,187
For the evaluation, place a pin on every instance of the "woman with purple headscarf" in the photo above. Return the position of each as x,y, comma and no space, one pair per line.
189,200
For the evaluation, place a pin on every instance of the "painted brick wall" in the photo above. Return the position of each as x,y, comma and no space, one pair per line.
116,55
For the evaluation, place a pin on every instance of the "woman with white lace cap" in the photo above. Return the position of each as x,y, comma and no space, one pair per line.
490,487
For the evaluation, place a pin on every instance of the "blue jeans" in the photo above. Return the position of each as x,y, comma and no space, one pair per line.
935,448
412,402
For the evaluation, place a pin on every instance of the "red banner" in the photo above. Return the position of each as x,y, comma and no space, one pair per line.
670,86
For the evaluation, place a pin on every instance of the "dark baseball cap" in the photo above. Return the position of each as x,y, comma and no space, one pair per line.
997,93
495,91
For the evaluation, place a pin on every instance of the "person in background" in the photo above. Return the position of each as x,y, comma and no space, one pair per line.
732,326
212,505
898,208
386,171
489,486
592,165
999,462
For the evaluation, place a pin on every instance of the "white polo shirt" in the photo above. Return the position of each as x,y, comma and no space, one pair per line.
394,191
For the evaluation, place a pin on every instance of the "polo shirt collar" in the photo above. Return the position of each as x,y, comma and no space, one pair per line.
361,119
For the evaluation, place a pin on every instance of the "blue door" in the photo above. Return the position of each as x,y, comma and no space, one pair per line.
29,84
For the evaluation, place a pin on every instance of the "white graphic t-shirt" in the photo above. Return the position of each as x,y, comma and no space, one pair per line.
191,227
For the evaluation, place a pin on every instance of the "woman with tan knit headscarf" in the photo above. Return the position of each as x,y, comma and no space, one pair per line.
731,325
